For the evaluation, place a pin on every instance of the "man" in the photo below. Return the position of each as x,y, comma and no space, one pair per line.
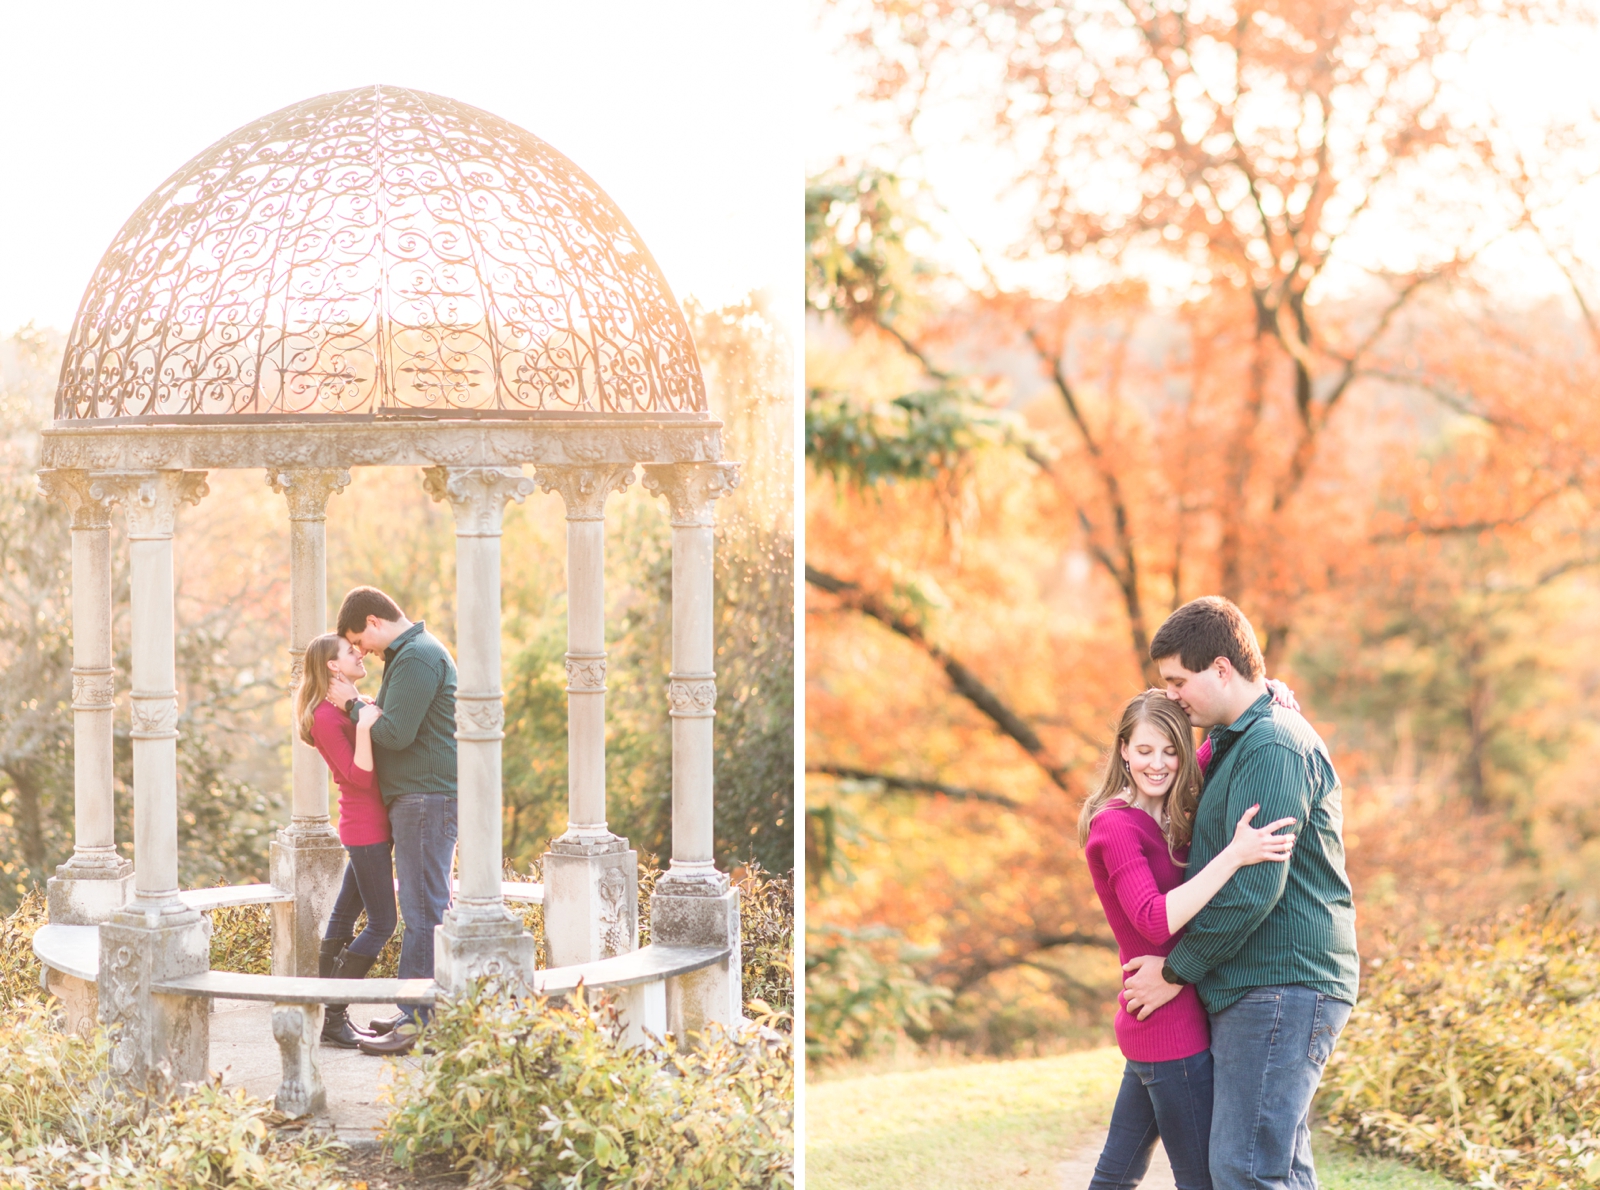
414,755
1274,953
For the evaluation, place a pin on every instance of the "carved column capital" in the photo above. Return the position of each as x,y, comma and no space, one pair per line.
308,489
72,487
478,495
584,486
690,488
150,498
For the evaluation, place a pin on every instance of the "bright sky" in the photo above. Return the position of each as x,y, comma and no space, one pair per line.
683,110
1527,82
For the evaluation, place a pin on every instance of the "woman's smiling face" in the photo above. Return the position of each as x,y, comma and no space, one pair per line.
1152,760
349,664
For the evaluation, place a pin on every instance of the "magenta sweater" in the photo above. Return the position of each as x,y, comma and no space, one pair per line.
1133,872
362,816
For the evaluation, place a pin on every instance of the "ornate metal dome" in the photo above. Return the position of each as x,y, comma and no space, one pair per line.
378,251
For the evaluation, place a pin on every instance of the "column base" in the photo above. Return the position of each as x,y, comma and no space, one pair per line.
307,861
472,948
159,1043
591,900
711,994
87,892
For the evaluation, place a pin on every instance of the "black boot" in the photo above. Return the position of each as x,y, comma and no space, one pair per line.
336,1027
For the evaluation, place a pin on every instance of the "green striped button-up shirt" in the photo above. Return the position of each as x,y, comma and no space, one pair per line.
1272,923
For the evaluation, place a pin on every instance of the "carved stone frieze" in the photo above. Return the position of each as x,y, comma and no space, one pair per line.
480,716
584,487
72,487
155,716
586,673
308,489
690,488
93,689
150,498
477,495
291,445
692,698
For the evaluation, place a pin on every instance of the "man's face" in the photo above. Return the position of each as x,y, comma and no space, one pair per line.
372,638
1201,695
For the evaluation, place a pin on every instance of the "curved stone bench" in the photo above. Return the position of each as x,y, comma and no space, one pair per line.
638,977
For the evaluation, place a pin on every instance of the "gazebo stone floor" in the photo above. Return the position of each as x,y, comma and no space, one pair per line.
243,1052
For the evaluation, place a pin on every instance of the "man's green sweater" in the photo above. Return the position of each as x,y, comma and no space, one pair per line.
1272,923
414,742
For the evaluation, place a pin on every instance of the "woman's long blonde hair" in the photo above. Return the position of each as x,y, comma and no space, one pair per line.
1155,708
314,681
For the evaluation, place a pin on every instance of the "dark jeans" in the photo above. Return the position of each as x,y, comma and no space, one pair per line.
1170,1100
368,884
424,828
1270,1048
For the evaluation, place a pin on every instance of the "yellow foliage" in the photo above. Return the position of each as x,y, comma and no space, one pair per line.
1479,1056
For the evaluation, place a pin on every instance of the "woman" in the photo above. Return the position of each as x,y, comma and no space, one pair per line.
1135,832
363,825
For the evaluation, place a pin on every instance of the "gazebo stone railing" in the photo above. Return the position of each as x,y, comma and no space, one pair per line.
511,319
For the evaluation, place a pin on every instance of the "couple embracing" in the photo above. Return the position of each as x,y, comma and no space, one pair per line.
1237,941
394,760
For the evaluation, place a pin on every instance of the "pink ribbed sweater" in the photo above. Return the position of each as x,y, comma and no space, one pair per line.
1133,872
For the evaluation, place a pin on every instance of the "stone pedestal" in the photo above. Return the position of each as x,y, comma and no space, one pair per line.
159,1043
310,865
596,887
80,1000
297,1028
712,993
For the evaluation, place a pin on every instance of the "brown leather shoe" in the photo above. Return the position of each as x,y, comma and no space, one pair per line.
387,1024
399,1041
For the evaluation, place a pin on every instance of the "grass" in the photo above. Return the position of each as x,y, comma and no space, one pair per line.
1012,1124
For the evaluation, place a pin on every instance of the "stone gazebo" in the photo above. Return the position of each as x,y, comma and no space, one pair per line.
381,277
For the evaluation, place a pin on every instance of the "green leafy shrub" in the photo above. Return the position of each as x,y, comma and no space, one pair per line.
862,993
1479,1056
534,1093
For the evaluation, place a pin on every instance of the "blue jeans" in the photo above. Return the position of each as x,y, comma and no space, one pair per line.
1270,1048
424,828
1170,1100
368,884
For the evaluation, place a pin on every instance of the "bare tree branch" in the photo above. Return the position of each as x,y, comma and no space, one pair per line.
967,683
915,785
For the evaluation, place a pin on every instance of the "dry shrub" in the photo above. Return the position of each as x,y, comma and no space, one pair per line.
1479,1055
528,1093
766,936
241,939
63,1128
19,970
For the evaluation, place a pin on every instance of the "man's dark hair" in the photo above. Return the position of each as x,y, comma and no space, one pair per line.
1201,631
362,602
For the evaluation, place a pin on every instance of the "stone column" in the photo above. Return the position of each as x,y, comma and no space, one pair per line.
306,857
157,1041
479,937
591,878
95,882
693,904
